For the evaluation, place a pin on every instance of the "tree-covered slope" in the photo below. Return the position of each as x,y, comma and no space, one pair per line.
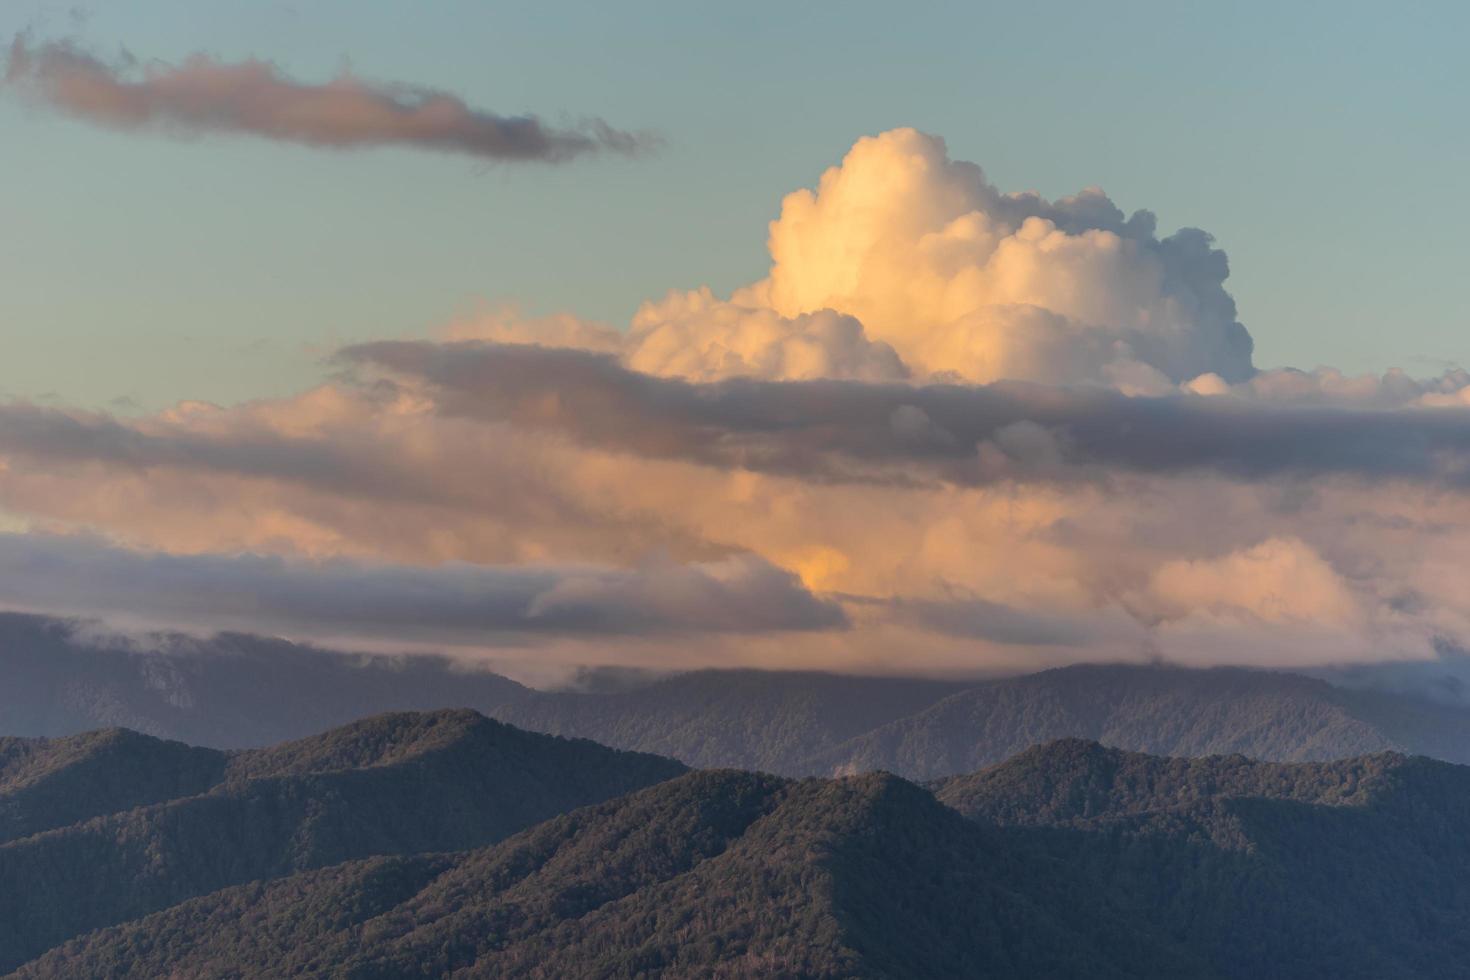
1351,868
397,784
772,721
1160,710
1071,782
1069,860
235,691
229,691
49,783
712,874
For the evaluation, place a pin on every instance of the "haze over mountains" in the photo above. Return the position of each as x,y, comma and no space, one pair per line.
236,691
388,848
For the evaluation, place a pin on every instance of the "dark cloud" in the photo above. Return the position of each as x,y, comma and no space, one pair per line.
969,434
253,97
453,603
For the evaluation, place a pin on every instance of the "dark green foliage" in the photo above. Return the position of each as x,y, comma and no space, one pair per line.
1354,868
398,784
712,874
49,783
446,844
1072,781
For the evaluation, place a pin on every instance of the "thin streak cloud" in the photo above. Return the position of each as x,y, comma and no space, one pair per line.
255,98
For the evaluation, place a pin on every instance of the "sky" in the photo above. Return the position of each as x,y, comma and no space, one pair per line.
780,334
1318,142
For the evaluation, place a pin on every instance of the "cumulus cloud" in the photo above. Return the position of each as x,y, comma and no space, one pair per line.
959,277
203,95
458,603
696,336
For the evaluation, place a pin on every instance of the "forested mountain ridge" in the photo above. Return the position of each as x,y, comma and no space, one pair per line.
1356,867
714,873
229,691
1070,860
396,784
772,721
1160,710
1072,782
236,691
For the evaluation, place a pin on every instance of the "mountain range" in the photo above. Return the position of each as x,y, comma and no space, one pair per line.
236,691
109,826
447,844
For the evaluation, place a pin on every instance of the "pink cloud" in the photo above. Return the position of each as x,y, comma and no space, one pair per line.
253,97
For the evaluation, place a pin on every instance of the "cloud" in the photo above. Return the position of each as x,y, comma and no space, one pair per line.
980,619
1280,581
695,336
458,603
969,434
203,96
961,278
952,430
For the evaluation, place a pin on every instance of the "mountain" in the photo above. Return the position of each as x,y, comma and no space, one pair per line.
1074,782
48,783
713,874
445,844
1351,868
234,691
394,784
229,691
772,721
1161,710
1070,860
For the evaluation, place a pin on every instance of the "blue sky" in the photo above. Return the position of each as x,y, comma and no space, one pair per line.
1319,143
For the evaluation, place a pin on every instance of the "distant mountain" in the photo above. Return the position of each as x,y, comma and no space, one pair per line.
772,721
230,691
1161,710
394,784
1070,860
234,691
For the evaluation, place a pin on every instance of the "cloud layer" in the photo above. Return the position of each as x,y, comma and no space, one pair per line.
952,429
458,604
254,98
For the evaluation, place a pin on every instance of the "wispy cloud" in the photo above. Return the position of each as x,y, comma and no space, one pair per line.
203,95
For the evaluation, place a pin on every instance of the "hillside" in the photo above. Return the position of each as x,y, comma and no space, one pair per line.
229,691
1072,860
396,784
1352,868
1160,710
716,873
749,719
352,855
1073,782
235,691
48,783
